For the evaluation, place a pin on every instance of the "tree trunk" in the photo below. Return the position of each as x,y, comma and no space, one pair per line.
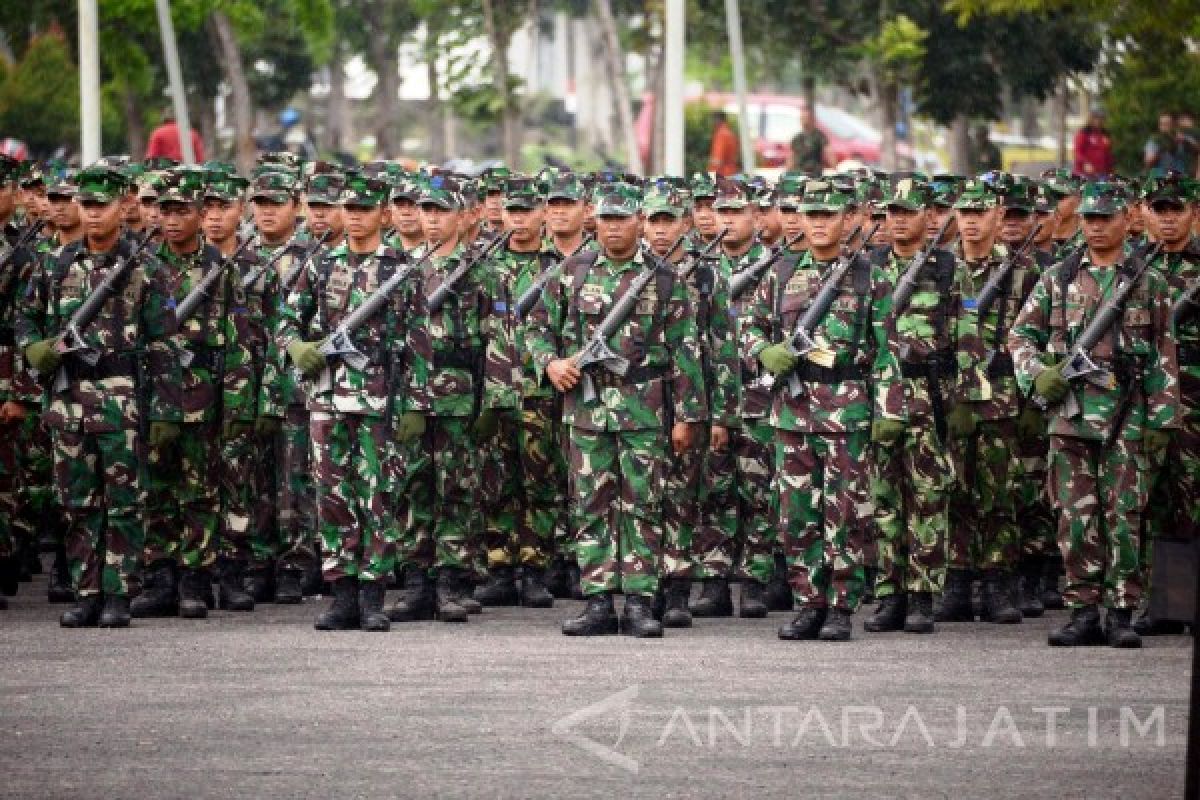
229,54
382,53
135,129
615,62
337,114
960,146
808,87
1060,121
508,112
205,115
436,112
656,80
887,100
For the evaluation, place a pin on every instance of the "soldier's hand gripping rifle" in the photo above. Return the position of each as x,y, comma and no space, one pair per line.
71,342
438,296
907,285
702,255
996,283
340,343
530,296
752,274
802,340
293,274
1079,364
27,236
203,291
597,351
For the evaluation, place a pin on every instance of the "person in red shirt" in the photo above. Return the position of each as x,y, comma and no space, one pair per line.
164,141
1093,148
723,155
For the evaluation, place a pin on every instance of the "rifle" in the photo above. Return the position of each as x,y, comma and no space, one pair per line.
71,341
699,256
801,342
438,296
907,285
200,292
293,274
25,238
1186,304
752,274
340,343
597,351
530,296
995,284
1079,363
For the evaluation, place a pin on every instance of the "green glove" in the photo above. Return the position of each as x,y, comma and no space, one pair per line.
1051,385
410,426
962,421
1031,424
42,356
486,426
307,356
163,433
886,431
777,359
235,427
267,426
1155,443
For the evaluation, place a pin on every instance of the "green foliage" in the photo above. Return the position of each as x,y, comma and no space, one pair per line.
898,48
1145,83
39,97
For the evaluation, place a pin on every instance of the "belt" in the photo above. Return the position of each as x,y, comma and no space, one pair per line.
465,358
634,376
813,373
117,365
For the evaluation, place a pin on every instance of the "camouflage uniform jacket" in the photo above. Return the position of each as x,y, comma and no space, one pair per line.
133,333
988,382
395,340
517,272
658,338
1182,271
855,329
1140,349
717,332
293,393
756,399
16,381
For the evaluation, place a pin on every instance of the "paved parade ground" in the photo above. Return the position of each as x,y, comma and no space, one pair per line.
260,705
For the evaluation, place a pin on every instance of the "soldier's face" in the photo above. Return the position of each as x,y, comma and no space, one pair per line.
440,224
180,223
1067,206
34,200
493,207
148,211
565,217
792,221
883,234
662,229
1137,222
221,218
101,221
740,222
1017,225
406,216
906,226
934,219
65,213
1048,221
363,222
324,217
619,234
274,220
525,224
131,209
1171,220
823,229
1105,232
976,226
8,199
768,222
705,217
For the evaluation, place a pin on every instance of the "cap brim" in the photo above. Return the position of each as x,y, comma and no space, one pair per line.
563,196
733,205
671,210
904,204
274,197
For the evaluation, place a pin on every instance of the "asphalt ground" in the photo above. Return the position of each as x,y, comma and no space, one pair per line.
261,705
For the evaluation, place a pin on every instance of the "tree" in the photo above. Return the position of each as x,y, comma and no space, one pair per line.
39,98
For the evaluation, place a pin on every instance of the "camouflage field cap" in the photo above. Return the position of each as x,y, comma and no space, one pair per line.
182,185
214,166
731,194
790,189
1103,198
566,186
663,198
221,185
1060,181
62,183
1169,186
1019,194
31,175
1044,200
946,187
977,195
278,161
823,196
274,187
493,179
149,185
443,191
703,185
523,193
364,190
909,193
10,169
100,184
325,188
618,200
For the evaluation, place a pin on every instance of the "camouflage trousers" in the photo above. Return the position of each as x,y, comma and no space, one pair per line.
296,509
502,489
823,484
247,502
96,478
983,527
1036,518
38,513
1102,492
911,492
737,518
183,499
682,500
617,480
1174,508
354,481
544,476
443,489
10,482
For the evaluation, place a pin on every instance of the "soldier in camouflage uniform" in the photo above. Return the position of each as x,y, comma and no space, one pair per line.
470,384
354,410
1101,459
914,476
617,438
1173,512
1065,188
95,418
704,215
822,433
406,215
323,214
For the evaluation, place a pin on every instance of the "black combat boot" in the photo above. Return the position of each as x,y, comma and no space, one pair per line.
920,613
558,581
779,592
889,614
637,619
260,582
231,588
752,600
10,575
1118,631
289,586
3,603
534,593
575,580
676,613
447,594
1083,629
115,613
805,625
160,592
59,590
998,607
312,581
1031,587
31,560
1149,625
870,578
416,600
465,582
370,607
837,627
715,599
85,613
1052,599
658,603
956,597
599,617
342,614
195,588
500,588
